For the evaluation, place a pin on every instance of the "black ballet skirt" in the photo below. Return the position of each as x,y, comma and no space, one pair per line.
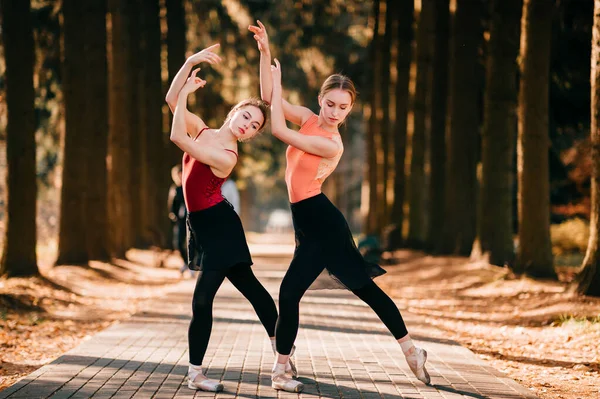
216,239
323,236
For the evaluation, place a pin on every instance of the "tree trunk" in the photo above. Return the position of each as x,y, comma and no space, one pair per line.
176,47
588,282
463,133
120,123
138,121
96,121
371,226
72,240
499,132
404,16
535,250
437,150
18,255
156,168
386,61
422,112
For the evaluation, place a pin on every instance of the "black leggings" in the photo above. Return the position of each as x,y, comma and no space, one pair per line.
302,273
208,284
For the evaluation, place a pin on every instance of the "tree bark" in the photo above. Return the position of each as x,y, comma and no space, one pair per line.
120,128
495,224
437,149
96,121
385,123
72,239
18,254
371,226
588,281
176,47
404,16
155,170
463,132
534,255
422,114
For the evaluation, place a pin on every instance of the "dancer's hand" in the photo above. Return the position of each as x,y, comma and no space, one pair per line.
260,35
276,73
193,83
206,55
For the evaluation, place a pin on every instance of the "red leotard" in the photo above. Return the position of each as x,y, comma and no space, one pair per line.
201,188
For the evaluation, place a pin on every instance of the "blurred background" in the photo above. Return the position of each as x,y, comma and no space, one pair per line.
471,134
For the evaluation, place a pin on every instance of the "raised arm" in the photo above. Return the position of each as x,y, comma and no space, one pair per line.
316,145
221,161
193,122
293,113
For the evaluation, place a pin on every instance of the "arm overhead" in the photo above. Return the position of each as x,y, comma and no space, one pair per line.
293,113
193,122
221,161
316,145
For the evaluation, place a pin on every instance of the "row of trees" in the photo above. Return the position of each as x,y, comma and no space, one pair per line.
442,94
116,158
468,210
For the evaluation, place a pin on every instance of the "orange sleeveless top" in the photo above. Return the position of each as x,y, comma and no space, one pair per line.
305,173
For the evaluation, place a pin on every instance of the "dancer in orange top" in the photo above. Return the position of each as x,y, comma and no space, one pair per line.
323,238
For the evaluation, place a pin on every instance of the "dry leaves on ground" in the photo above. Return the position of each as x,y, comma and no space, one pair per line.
536,332
43,317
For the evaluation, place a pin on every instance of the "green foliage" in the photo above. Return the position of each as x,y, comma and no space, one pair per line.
578,321
570,236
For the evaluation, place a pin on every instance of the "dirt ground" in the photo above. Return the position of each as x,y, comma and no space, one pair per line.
536,332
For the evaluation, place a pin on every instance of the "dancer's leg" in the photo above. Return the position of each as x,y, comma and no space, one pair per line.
246,282
303,271
207,285
389,314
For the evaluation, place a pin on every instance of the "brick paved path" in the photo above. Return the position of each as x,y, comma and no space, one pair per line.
343,352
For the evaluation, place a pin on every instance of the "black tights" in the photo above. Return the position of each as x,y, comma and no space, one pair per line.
208,284
301,274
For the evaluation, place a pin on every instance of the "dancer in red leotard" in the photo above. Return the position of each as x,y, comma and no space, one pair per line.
217,243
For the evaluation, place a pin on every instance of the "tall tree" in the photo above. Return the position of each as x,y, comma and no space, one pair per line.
463,128
120,128
421,112
534,255
495,224
588,281
72,241
176,47
385,123
437,144
83,231
371,225
18,254
404,35
155,169
137,120
96,121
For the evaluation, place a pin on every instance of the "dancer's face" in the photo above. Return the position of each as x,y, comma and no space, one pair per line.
246,122
335,105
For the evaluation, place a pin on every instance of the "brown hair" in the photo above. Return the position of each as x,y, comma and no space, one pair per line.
339,81
255,102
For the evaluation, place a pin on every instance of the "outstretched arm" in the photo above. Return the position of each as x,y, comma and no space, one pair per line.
221,161
293,113
316,145
193,122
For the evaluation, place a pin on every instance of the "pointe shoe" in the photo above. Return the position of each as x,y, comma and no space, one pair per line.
284,382
197,380
416,362
290,367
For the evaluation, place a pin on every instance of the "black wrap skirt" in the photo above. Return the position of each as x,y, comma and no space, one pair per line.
323,237
216,239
